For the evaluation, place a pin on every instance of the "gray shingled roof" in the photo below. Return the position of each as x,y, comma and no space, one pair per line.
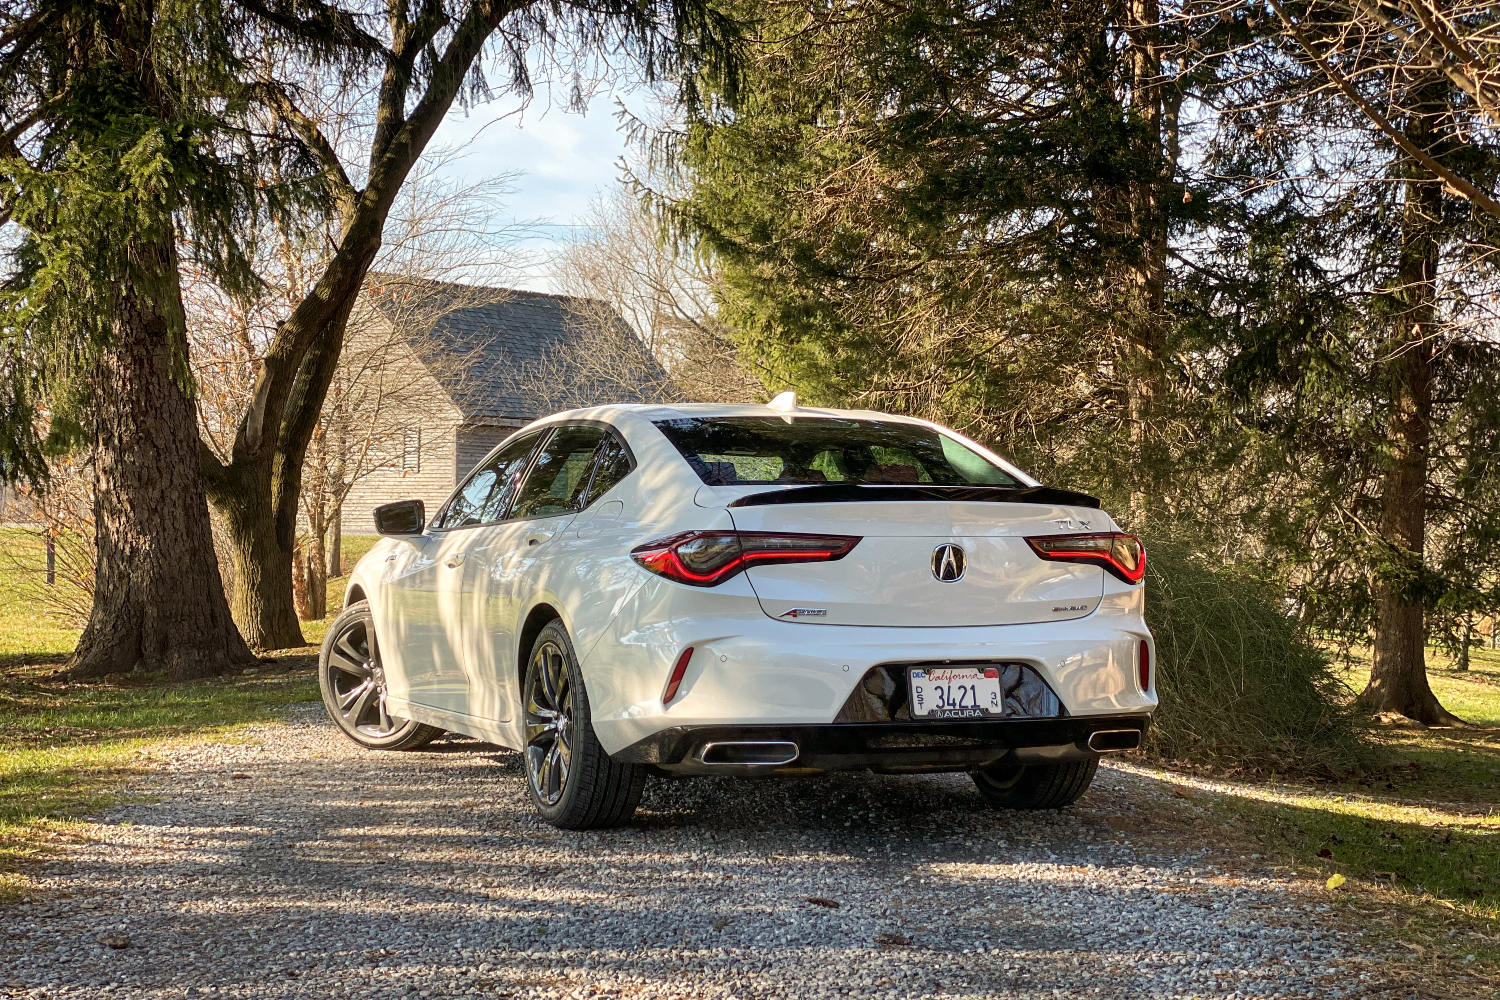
503,336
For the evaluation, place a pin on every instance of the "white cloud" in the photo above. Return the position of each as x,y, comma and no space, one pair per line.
564,160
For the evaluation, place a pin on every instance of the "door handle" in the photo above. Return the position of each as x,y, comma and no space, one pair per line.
538,538
454,562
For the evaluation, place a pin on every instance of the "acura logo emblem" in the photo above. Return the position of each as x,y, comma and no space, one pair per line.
948,563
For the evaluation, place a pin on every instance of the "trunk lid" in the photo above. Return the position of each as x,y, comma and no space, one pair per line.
890,578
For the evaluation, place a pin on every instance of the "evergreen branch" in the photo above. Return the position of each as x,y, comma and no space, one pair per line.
326,24
20,37
281,103
1460,185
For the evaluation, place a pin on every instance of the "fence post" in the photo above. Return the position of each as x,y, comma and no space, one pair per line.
51,560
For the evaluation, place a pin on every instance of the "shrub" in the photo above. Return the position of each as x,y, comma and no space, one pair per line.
1240,686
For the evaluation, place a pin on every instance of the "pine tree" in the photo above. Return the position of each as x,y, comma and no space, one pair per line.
125,144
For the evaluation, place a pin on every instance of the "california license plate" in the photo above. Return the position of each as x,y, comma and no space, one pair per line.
955,693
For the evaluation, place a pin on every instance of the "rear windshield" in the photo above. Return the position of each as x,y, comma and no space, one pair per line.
732,451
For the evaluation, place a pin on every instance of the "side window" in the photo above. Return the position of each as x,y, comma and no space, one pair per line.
560,473
483,499
612,465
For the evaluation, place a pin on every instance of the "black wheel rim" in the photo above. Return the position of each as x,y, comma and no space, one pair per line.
549,723
358,683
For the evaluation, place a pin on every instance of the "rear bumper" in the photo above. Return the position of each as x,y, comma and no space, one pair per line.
888,747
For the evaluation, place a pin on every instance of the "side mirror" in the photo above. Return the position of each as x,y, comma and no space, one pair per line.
403,517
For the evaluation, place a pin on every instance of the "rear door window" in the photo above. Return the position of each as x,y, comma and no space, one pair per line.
612,463
560,474
731,451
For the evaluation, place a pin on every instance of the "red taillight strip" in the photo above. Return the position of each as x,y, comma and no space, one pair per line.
749,548
1145,667
675,681
1121,554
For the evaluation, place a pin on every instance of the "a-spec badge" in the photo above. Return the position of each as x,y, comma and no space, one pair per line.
804,613
948,563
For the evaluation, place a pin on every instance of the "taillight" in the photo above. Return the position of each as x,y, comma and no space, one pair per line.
1145,666
708,558
1121,554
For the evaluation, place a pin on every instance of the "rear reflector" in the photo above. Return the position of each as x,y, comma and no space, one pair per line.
1119,553
1145,666
708,558
675,680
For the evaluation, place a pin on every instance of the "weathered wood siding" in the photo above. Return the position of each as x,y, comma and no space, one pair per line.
403,466
476,441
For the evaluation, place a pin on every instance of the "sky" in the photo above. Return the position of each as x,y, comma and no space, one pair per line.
564,159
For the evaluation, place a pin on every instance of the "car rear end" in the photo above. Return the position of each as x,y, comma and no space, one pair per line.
867,592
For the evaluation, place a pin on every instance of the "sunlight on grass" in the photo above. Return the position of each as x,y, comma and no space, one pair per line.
31,631
1473,695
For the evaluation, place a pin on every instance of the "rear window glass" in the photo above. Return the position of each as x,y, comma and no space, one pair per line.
731,451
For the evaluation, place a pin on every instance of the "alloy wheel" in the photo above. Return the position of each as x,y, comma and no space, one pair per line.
549,723
357,681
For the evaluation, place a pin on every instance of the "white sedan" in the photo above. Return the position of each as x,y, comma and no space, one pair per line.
625,591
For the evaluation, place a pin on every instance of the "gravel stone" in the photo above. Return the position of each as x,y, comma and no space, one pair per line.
295,864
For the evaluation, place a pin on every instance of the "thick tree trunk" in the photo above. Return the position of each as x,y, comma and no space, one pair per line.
262,545
258,489
1398,678
158,600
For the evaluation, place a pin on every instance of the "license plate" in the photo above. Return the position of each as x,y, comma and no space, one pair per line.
955,693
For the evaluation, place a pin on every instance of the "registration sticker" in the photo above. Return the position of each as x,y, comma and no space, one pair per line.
955,693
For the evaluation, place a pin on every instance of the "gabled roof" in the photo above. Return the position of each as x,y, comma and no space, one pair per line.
493,338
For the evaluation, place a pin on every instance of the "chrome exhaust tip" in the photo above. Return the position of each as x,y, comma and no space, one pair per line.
1114,740
771,753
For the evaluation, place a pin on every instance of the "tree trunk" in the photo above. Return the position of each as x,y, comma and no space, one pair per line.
258,493
317,579
158,601
1398,678
1146,274
335,543
317,564
262,545
337,441
1465,640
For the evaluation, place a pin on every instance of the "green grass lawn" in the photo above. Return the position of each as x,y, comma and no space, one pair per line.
1425,824
33,629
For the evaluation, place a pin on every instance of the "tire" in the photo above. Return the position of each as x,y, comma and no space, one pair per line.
573,783
353,684
1035,786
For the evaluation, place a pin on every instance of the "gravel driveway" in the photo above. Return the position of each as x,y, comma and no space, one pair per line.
298,865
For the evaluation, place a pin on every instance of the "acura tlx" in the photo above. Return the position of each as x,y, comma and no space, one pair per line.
622,592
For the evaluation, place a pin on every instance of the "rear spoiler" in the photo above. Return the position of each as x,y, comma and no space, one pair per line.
855,493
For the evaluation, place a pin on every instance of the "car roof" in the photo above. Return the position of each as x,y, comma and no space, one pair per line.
665,411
